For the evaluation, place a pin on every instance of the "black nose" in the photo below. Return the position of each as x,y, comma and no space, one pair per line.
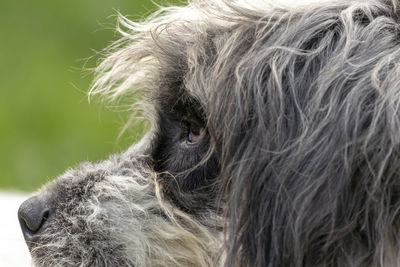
33,215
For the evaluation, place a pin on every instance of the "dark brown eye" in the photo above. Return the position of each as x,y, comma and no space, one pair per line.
192,133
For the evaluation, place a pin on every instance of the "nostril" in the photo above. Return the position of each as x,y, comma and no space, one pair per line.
32,215
33,224
46,215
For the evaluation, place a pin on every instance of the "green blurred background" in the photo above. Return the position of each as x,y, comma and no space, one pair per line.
46,122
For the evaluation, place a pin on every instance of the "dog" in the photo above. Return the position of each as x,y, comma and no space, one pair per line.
274,141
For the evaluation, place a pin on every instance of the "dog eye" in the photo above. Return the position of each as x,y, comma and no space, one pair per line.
191,132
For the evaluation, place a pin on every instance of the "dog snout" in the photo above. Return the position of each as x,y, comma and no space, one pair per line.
33,215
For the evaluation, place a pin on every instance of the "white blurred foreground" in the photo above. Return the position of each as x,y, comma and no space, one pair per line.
13,251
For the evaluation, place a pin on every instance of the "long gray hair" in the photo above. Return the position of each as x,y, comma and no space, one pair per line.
302,109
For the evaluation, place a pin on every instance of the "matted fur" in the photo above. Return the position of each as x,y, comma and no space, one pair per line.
300,164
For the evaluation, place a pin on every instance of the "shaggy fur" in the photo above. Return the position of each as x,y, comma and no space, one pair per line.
299,163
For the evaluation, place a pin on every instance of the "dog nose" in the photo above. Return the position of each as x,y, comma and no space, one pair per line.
32,215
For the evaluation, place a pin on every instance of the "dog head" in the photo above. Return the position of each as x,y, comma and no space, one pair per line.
274,142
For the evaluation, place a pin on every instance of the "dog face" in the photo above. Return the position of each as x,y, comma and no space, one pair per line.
274,142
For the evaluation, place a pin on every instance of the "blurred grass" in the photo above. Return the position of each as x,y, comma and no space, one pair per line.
46,123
